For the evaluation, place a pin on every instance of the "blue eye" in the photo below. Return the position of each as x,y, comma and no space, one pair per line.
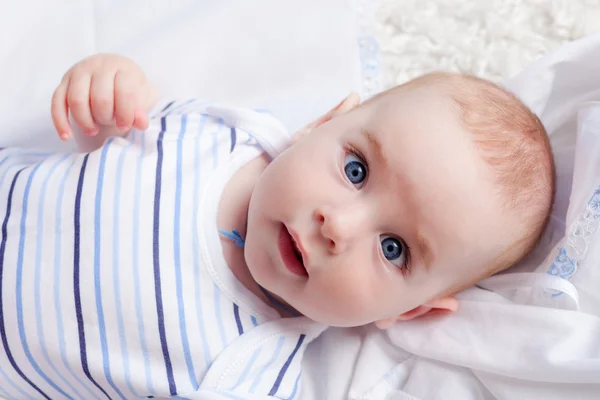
393,250
355,169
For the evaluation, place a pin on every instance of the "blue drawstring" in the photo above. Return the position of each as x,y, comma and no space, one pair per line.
234,235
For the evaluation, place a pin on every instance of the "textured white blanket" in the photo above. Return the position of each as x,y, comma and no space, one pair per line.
493,39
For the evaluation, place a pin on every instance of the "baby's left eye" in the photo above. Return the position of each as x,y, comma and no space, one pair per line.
355,169
393,250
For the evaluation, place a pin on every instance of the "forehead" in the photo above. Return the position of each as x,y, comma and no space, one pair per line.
435,170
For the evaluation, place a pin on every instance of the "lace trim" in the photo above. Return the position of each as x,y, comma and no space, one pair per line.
368,47
575,246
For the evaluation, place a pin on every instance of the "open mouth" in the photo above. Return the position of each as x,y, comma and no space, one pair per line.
290,253
297,251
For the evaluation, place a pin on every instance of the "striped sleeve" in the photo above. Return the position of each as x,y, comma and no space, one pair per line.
266,362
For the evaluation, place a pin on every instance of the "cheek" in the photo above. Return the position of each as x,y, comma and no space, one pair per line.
291,178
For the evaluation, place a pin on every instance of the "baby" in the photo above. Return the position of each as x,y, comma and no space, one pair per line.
166,260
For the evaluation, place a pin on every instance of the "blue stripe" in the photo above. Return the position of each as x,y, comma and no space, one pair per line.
57,280
2,326
217,302
233,139
156,259
295,389
97,270
268,364
76,279
38,279
196,245
136,266
19,163
116,268
215,145
19,285
14,386
286,366
2,391
238,321
177,254
254,321
247,369
5,159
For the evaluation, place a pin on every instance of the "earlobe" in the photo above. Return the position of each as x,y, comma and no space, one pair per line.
343,107
443,305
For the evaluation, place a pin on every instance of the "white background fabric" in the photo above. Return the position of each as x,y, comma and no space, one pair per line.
297,59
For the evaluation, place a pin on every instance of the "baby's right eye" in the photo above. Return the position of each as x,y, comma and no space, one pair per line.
355,169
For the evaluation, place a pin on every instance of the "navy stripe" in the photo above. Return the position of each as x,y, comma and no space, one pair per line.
286,366
233,139
76,288
2,252
238,321
156,256
167,107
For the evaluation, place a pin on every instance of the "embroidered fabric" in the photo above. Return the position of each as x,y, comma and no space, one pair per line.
575,245
368,47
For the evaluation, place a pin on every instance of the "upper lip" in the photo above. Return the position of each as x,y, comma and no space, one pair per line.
299,245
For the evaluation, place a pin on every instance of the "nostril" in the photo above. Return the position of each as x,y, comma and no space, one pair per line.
331,243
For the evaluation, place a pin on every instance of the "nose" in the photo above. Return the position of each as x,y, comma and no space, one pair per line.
340,225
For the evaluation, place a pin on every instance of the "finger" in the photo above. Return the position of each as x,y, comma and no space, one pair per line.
141,120
59,111
78,101
126,99
102,93
350,102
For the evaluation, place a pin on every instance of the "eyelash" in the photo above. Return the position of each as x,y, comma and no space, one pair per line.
405,270
358,154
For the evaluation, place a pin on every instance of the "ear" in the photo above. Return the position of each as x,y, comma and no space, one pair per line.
345,105
443,305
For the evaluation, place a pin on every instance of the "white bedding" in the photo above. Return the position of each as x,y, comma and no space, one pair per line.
298,59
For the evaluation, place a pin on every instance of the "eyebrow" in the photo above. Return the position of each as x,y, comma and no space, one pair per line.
377,147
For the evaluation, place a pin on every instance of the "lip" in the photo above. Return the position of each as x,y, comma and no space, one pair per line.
299,245
286,249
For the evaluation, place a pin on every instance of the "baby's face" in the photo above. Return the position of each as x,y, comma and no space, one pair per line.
389,205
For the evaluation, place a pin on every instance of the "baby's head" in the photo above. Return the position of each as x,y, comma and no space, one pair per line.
399,203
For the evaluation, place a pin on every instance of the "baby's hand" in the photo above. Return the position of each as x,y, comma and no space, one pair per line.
100,92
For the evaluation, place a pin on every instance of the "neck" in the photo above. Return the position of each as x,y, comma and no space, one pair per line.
232,215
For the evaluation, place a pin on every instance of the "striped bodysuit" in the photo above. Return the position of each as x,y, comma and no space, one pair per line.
112,279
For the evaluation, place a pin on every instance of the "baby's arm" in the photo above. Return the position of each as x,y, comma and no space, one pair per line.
106,95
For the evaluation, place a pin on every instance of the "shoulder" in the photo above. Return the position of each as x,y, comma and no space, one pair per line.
173,117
